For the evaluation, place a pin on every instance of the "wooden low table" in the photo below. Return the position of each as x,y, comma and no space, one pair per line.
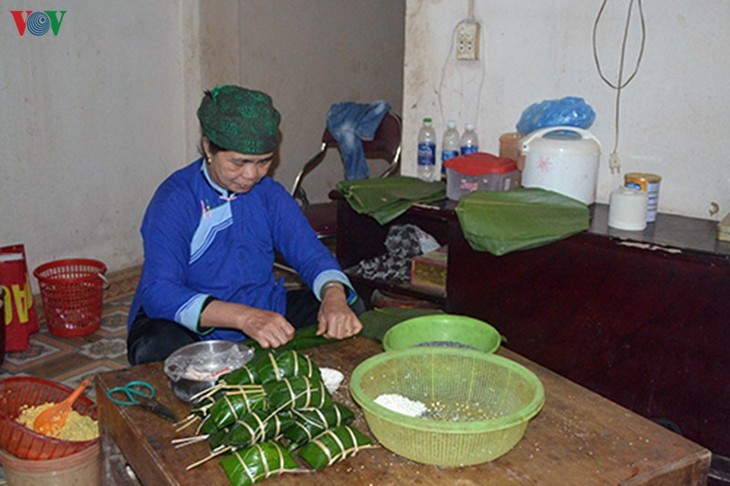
578,438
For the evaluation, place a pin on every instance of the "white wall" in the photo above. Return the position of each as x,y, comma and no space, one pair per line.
310,54
674,114
93,119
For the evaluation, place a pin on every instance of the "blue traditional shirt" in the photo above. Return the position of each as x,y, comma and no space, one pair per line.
201,242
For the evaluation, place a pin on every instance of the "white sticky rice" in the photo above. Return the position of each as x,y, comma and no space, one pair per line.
401,404
332,379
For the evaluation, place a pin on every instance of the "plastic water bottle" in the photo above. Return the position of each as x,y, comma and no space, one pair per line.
426,151
469,140
450,146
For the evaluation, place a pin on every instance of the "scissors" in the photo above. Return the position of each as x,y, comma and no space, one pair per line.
143,394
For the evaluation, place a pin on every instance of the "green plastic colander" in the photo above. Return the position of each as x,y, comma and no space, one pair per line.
479,404
443,330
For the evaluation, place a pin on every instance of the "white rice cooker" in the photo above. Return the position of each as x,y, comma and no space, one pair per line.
563,160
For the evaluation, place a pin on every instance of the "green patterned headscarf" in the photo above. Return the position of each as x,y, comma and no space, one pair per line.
239,119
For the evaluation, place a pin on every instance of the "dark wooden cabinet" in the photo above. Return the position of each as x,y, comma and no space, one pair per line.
642,318
360,237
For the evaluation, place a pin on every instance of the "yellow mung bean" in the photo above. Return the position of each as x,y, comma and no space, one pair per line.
78,427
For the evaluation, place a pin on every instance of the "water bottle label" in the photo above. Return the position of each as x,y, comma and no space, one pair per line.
426,154
446,155
449,154
469,149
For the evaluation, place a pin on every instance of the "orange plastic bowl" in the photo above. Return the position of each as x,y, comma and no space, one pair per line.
25,443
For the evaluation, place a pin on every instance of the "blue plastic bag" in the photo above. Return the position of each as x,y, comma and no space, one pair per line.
570,111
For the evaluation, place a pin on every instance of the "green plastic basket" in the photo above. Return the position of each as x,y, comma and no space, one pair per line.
483,402
443,330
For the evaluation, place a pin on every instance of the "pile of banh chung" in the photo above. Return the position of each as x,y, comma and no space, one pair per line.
258,417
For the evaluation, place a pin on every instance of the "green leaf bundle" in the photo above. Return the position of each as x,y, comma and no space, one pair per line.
258,462
297,392
309,423
245,375
276,366
255,427
234,405
333,446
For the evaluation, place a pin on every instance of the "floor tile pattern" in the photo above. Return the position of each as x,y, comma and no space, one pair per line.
70,360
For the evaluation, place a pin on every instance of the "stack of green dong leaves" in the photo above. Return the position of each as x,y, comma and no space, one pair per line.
258,416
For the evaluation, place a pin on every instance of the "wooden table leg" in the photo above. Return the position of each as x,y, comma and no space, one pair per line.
115,470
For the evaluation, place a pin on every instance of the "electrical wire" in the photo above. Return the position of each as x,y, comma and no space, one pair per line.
614,161
443,73
481,81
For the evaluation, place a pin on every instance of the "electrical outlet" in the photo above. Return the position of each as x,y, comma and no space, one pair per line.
467,40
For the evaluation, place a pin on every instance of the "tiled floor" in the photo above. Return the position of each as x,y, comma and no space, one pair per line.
70,360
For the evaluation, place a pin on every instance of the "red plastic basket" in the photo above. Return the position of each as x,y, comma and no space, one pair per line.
72,293
25,443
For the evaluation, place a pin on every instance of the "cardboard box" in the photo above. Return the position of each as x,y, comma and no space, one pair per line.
428,272
723,228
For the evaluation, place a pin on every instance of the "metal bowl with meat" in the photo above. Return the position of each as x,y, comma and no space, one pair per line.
196,367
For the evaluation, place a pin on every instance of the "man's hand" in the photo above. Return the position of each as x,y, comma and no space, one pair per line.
336,319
